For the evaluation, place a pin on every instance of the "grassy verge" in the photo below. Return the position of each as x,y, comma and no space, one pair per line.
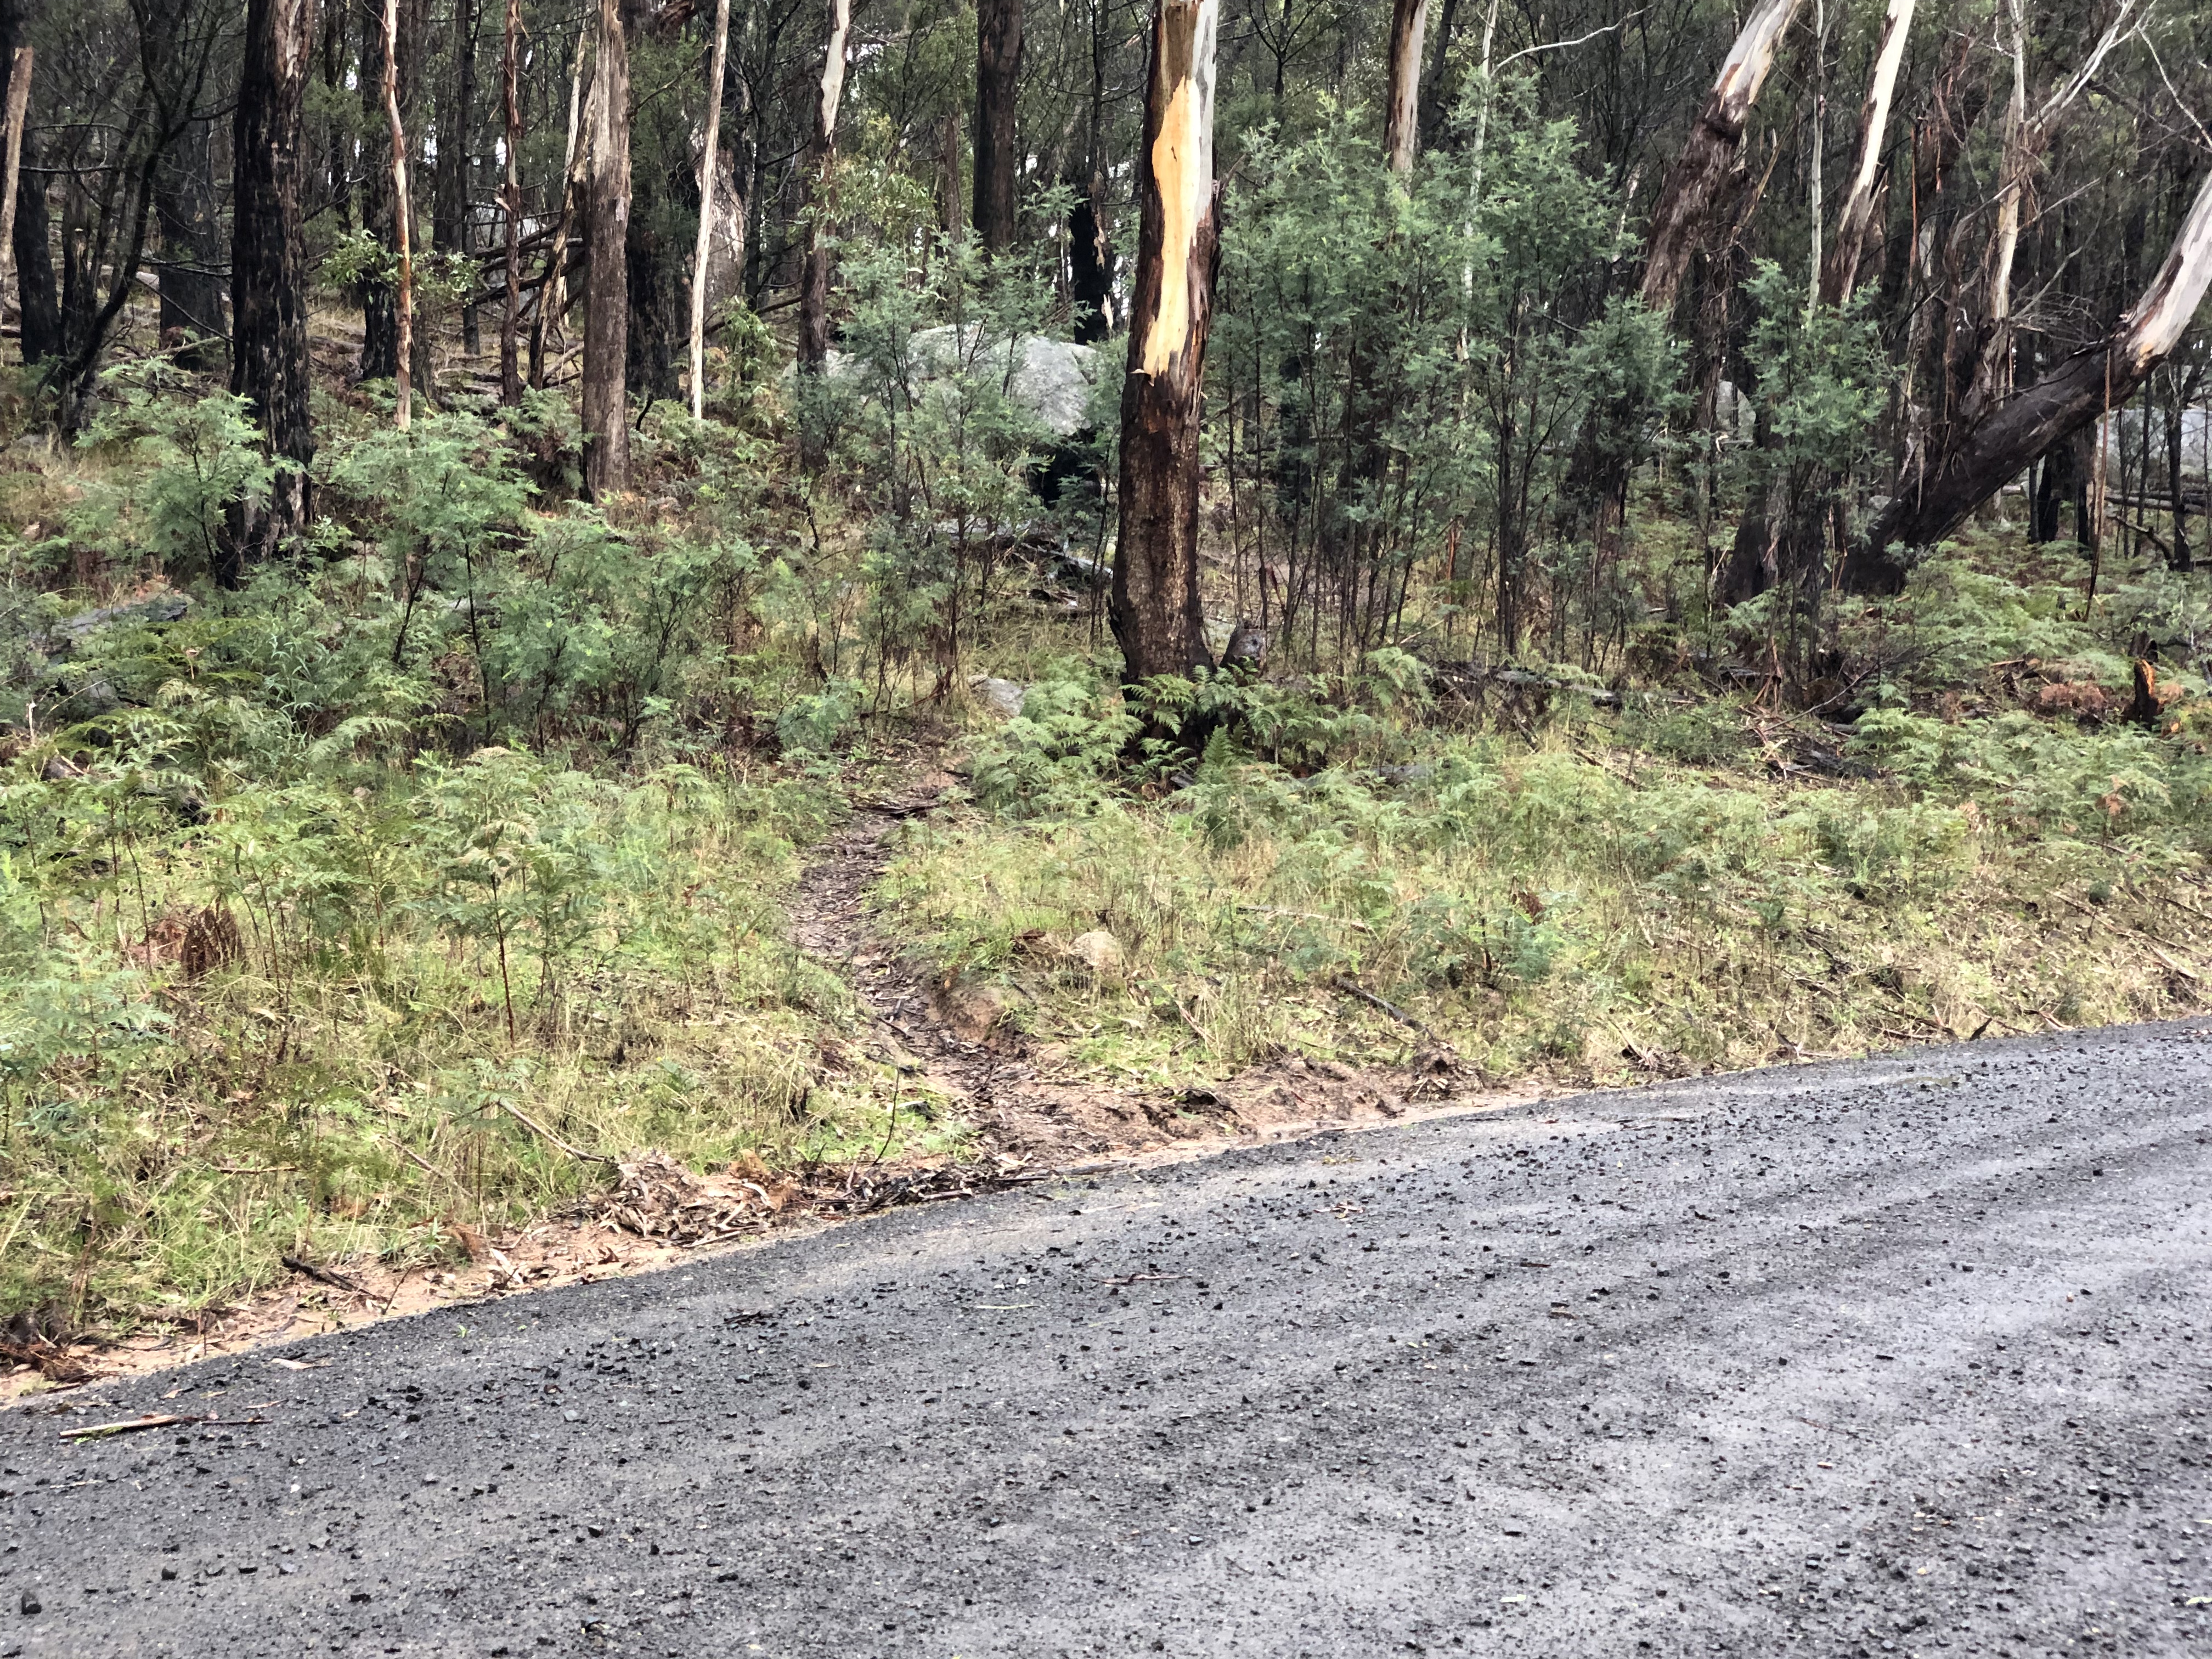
1606,896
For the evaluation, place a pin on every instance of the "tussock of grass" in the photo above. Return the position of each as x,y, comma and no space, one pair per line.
341,1078
1589,910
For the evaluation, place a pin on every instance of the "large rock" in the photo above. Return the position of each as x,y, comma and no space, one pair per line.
1052,379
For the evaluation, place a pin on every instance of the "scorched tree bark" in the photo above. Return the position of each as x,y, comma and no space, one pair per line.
1155,612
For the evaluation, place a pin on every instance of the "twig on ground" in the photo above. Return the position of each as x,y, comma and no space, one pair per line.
1344,984
321,1275
547,1135
164,1421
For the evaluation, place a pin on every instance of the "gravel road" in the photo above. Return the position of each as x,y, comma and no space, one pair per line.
1908,1356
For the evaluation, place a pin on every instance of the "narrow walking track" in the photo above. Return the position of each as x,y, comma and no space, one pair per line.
959,1042
1910,1356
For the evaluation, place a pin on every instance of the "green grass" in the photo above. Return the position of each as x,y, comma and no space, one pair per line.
1588,908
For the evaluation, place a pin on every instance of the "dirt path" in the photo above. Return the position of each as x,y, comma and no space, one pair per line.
1027,1124
963,1046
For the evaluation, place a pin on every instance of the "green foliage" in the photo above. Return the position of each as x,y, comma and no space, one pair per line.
1060,754
189,456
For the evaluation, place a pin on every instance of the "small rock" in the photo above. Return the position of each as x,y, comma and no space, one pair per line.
1097,950
1002,697
972,1011
30,1604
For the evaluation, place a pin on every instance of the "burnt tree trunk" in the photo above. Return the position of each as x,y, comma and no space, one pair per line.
269,366
1155,612
1699,176
38,303
997,69
1999,447
606,237
191,250
510,320
449,211
1091,262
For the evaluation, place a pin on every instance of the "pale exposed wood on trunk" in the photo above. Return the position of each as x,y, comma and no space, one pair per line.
1401,131
1700,172
1156,612
2084,389
19,99
814,275
551,317
510,69
606,408
1816,171
1840,274
402,216
708,148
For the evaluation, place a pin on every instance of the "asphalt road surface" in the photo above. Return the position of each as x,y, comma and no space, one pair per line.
1910,1356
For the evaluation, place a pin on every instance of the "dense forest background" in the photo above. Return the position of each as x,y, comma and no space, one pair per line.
1573,542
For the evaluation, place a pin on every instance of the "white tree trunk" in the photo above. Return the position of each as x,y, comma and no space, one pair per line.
707,171
1841,272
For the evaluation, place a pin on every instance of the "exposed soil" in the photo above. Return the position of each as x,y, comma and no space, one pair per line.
951,1038
958,1040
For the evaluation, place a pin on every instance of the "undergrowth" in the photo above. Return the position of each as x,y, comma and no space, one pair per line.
1586,896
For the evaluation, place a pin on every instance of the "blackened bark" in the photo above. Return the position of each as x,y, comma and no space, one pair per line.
607,227
449,225
1155,612
449,184
268,264
1699,177
38,302
1402,124
1999,447
510,359
998,70
1091,262
655,291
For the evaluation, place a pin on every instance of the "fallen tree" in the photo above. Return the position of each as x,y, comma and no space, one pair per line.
1930,506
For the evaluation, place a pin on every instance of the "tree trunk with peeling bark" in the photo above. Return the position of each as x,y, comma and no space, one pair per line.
19,99
268,272
997,69
606,233
814,275
1771,544
1155,612
403,229
1700,174
710,144
1401,125
1840,273
1999,447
